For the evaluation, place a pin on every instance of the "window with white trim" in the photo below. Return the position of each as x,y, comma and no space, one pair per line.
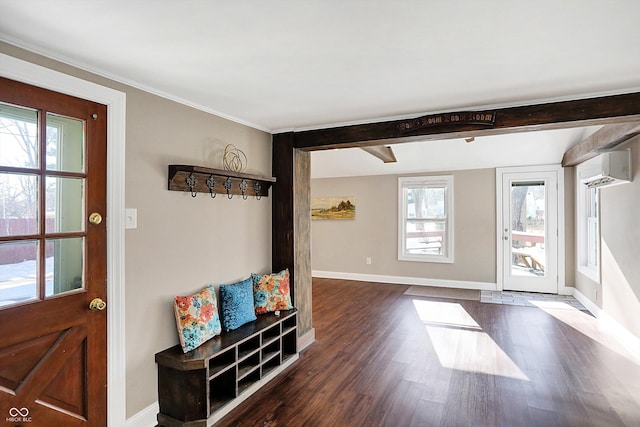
425,212
593,228
588,226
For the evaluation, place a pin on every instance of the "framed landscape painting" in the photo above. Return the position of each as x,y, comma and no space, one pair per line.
333,208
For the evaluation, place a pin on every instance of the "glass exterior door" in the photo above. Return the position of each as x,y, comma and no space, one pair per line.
529,233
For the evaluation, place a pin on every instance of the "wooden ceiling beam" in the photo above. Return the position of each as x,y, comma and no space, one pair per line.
606,138
554,115
382,152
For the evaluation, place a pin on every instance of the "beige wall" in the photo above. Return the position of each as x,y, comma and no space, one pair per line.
343,246
181,244
618,292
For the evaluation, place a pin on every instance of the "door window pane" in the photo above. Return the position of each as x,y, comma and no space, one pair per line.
18,204
66,266
18,272
18,137
528,229
65,203
65,144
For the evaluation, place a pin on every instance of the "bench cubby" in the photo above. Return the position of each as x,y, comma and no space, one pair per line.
198,388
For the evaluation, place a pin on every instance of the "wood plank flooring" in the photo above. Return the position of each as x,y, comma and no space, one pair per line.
382,358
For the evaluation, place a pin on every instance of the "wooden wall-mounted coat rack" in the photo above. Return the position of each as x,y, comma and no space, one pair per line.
198,179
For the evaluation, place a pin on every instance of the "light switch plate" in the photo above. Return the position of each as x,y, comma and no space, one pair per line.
130,218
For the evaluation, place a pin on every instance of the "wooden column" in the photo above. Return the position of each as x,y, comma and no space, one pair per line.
302,244
291,225
282,237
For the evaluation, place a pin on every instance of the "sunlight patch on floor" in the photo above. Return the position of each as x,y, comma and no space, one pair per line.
586,324
460,343
444,313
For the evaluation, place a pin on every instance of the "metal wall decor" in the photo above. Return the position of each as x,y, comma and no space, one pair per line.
234,159
197,179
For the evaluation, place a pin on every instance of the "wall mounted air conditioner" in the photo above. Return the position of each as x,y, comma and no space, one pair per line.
610,168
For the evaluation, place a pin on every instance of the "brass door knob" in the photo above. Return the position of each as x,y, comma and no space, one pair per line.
95,218
97,304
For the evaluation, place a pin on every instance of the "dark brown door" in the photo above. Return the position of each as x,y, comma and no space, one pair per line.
53,349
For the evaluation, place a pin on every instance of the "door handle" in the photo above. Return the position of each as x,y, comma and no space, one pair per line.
95,218
97,304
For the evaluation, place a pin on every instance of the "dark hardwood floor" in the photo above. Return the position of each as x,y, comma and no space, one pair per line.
382,358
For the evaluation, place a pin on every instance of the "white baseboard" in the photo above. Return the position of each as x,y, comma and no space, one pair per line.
148,417
588,304
403,280
624,337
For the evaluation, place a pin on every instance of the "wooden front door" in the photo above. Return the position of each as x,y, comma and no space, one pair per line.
53,346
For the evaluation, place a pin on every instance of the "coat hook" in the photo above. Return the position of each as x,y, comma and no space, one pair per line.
227,185
191,182
243,189
257,187
211,182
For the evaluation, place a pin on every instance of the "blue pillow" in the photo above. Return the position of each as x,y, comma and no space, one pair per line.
237,304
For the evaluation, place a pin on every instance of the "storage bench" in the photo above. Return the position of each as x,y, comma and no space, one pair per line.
198,388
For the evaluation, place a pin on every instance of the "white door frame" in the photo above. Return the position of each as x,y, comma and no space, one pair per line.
562,289
27,72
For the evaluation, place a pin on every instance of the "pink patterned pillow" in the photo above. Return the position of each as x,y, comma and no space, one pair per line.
197,318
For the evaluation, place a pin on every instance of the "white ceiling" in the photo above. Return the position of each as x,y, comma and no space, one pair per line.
522,149
296,65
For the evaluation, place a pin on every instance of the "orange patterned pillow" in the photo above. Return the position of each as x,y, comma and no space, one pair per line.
271,292
197,318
